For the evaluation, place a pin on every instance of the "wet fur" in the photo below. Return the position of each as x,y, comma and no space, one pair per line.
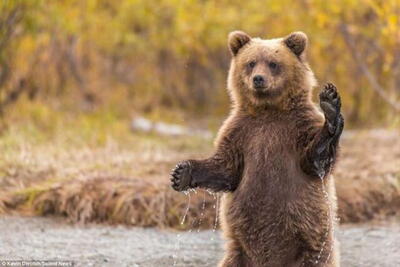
268,160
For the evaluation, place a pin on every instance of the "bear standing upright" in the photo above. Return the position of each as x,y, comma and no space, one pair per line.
273,159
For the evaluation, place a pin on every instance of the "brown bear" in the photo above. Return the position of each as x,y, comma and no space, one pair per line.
273,159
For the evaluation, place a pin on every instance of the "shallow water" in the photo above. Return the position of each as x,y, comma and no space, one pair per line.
100,245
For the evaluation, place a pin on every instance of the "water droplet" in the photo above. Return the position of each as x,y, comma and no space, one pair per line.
331,219
178,236
210,192
193,190
202,211
216,207
187,210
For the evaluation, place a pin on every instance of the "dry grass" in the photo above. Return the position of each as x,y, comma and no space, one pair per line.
368,176
114,200
126,184
121,200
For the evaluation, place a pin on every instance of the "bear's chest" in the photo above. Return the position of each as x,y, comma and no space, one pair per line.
271,161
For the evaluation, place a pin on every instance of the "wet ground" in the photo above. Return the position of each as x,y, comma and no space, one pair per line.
100,245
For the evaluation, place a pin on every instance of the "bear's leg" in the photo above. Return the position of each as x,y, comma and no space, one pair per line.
321,154
235,257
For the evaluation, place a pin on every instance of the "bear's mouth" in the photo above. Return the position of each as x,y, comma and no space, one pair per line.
261,91
266,92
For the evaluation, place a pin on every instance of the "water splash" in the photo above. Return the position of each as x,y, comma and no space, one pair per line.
175,256
216,206
187,207
210,192
203,206
194,190
331,219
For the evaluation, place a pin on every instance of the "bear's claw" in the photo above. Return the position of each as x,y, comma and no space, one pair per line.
330,104
181,176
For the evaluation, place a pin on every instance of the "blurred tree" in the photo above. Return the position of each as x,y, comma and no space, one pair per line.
11,17
171,54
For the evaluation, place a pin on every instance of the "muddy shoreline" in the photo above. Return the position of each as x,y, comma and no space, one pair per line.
33,238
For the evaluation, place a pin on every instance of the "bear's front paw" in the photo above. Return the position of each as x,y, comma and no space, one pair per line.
330,104
181,176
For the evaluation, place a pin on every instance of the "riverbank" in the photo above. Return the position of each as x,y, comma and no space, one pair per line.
102,245
129,183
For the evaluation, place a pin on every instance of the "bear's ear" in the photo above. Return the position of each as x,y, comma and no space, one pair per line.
236,40
297,42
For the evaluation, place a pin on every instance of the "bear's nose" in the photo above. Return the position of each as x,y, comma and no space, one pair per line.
258,81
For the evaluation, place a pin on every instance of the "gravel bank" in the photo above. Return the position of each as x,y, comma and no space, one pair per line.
100,245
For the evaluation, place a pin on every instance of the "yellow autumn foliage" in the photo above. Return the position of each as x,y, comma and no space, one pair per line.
152,56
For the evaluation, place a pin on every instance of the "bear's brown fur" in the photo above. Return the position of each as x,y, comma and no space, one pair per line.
274,155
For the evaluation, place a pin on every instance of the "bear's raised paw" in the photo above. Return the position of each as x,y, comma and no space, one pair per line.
330,104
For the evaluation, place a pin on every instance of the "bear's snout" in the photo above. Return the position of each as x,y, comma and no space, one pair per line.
259,82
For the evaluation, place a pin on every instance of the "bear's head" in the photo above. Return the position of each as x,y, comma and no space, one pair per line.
268,72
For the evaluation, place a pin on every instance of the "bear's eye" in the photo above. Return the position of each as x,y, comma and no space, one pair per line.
273,65
252,64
